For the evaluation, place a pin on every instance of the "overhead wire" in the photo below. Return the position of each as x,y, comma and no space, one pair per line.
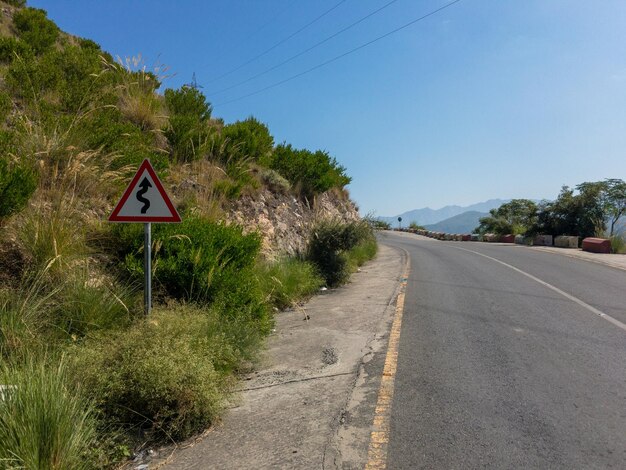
317,44
340,56
282,41
260,28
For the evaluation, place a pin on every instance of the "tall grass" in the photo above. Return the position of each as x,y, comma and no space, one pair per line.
618,244
23,316
51,237
288,281
43,423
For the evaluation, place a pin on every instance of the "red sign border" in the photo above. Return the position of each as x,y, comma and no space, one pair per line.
145,166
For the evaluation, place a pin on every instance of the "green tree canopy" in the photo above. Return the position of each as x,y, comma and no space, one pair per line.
516,217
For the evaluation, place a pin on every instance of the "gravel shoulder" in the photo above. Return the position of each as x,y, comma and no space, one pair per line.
310,403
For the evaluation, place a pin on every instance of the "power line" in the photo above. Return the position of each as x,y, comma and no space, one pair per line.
282,41
304,51
260,28
340,56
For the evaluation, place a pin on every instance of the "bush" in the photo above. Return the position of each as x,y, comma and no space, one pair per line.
35,29
311,172
288,281
248,139
330,244
274,181
158,375
43,423
201,261
188,123
11,47
17,185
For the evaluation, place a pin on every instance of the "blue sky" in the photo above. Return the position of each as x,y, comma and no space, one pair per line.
485,99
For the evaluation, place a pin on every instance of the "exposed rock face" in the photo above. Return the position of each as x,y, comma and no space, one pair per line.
285,221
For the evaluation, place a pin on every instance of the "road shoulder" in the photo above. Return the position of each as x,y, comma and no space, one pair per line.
311,402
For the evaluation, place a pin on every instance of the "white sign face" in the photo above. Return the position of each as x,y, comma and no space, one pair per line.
145,200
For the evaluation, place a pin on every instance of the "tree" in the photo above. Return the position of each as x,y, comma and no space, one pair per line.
578,214
614,201
516,216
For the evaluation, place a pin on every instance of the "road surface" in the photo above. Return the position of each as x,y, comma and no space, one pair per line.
505,360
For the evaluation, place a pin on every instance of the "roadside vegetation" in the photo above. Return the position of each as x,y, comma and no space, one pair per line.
86,379
591,209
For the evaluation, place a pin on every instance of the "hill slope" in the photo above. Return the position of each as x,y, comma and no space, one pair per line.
461,223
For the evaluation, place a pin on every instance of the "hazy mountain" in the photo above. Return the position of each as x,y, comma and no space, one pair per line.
462,223
427,216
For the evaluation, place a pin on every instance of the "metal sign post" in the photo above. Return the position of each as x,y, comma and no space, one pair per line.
147,267
145,201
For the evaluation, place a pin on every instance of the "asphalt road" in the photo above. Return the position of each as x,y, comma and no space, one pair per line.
497,370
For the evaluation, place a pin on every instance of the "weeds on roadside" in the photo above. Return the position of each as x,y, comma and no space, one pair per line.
288,281
337,248
44,424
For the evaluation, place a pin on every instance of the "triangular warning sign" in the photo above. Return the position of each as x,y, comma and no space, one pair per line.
145,200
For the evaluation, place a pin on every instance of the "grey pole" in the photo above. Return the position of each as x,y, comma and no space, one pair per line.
147,268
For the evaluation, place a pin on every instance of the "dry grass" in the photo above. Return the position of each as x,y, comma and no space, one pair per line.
138,101
196,185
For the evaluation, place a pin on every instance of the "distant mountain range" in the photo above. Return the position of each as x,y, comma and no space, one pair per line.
428,216
462,223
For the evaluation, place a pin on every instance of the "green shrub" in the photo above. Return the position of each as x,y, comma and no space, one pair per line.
109,130
311,172
274,181
11,47
248,139
188,123
158,375
380,224
17,185
201,261
288,281
43,423
5,107
35,28
330,244
16,3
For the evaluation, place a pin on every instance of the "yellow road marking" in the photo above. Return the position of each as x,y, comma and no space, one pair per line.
379,438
